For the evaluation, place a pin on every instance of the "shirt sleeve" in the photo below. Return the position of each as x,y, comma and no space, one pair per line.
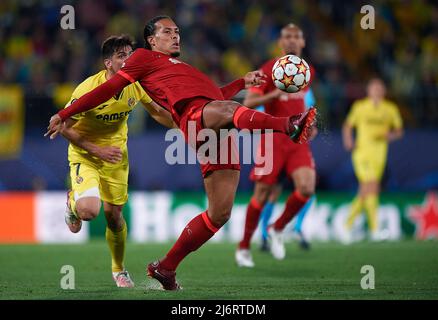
353,114
268,85
95,97
145,99
134,67
77,93
231,89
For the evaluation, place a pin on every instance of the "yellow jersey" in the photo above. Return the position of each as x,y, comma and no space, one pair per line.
107,124
372,123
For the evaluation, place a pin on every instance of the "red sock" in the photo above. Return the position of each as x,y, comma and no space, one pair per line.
194,235
252,219
293,204
245,118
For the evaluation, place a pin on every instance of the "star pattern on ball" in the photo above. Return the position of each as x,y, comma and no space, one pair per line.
283,62
287,80
301,68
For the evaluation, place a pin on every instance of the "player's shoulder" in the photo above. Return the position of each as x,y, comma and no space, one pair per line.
390,105
360,103
138,90
90,83
143,52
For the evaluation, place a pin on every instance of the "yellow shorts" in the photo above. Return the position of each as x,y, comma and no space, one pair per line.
368,167
109,183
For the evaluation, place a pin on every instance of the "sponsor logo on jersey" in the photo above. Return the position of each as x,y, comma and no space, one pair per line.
113,116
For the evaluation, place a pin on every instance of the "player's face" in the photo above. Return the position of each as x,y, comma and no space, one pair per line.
376,89
292,41
166,38
118,58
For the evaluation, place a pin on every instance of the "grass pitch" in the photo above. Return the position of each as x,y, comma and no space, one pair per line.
403,270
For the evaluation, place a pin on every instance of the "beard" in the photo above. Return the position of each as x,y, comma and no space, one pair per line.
292,52
175,54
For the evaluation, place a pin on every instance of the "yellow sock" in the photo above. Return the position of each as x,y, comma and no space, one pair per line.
72,203
116,242
371,204
355,210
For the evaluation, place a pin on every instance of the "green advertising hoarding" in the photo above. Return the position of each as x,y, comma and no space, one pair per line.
161,216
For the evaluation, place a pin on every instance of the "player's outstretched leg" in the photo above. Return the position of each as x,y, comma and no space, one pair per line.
221,188
223,114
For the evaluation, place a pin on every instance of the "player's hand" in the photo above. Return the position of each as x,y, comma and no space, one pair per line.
348,144
313,133
109,154
254,78
55,126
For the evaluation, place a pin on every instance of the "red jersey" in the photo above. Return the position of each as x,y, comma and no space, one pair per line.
168,80
286,104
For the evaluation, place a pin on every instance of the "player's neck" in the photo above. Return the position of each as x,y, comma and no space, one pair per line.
109,74
376,101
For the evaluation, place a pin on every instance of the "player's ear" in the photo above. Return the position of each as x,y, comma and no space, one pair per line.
107,63
151,41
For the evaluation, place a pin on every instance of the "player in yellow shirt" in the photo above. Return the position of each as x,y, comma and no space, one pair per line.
98,154
377,122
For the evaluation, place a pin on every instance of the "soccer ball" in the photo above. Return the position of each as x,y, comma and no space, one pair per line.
291,73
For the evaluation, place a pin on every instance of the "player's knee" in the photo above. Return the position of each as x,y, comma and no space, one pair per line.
220,217
87,211
115,221
228,110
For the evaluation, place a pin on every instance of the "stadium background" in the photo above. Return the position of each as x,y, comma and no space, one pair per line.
40,64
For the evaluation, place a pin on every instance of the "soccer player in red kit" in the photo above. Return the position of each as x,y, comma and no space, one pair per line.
190,96
293,159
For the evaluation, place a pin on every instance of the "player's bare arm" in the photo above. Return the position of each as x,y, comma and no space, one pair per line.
395,135
87,102
255,99
347,137
159,114
106,153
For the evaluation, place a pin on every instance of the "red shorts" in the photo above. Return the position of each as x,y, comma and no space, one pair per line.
193,112
287,156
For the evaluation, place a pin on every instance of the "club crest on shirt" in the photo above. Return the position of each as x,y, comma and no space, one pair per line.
174,61
79,179
131,102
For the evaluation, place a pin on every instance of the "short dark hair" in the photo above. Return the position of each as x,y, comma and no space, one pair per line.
114,43
150,28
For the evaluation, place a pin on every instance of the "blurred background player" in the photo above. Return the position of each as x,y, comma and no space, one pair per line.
266,214
294,159
377,122
268,209
98,153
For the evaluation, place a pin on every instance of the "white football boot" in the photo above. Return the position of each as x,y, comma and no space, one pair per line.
244,258
277,243
122,279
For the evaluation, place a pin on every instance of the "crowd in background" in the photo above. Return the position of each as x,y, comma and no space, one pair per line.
227,38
